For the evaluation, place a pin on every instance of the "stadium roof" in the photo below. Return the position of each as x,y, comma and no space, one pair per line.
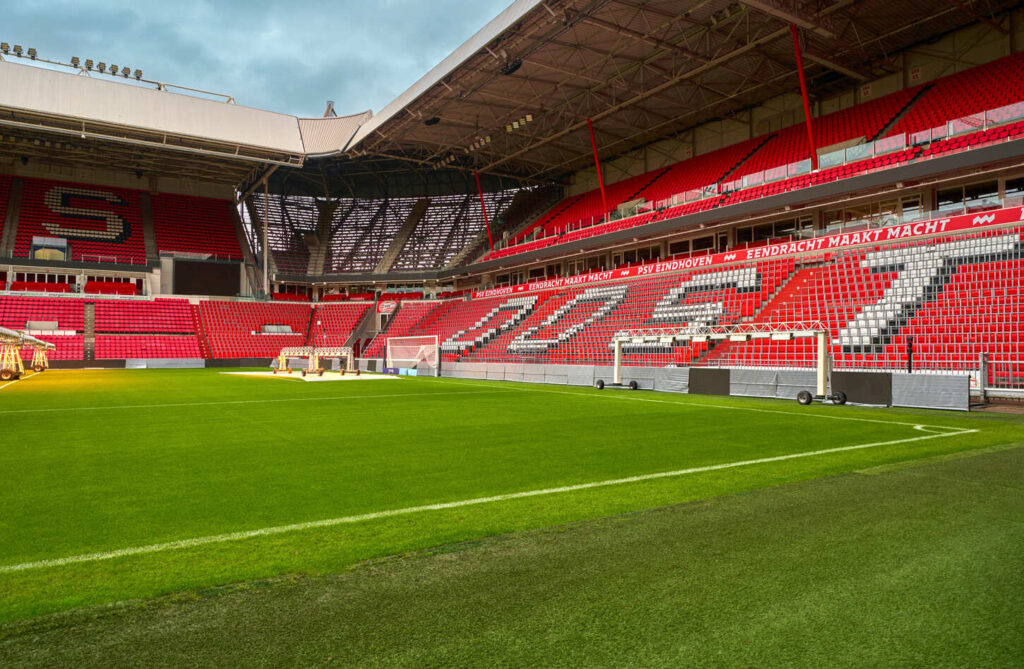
643,70
512,102
81,119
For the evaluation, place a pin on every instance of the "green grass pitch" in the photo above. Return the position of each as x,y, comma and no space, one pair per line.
149,485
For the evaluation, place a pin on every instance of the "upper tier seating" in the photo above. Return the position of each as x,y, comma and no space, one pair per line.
5,191
101,223
983,88
978,89
188,224
234,329
333,324
789,145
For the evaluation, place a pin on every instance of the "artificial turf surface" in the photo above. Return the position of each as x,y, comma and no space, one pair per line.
98,461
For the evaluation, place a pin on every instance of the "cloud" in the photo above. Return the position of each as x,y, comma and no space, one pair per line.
286,56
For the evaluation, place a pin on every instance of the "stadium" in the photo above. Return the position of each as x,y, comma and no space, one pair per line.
634,333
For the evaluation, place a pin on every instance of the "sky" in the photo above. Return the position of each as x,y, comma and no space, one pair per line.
286,56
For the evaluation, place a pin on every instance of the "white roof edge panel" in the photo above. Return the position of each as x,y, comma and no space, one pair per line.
67,95
498,25
329,136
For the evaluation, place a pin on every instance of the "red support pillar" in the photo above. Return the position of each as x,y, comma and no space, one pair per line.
597,164
483,206
803,93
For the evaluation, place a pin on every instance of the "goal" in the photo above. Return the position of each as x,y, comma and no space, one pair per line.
421,353
815,334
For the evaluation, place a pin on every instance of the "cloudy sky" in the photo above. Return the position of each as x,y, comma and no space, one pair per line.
288,56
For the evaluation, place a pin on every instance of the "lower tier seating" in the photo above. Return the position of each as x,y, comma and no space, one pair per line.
955,296
120,347
236,329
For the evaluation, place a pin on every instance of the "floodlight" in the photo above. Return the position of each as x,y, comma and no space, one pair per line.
515,124
88,64
17,50
138,74
102,67
75,61
508,128
5,47
113,69
32,53
529,118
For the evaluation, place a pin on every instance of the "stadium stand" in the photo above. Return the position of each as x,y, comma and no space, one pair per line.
449,223
195,225
406,316
971,91
162,315
237,329
63,317
779,162
290,220
5,192
110,288
101,224
120,347
333,324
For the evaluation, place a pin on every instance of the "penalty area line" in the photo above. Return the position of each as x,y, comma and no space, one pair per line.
441,506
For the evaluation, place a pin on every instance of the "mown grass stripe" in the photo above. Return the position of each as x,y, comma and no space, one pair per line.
295,527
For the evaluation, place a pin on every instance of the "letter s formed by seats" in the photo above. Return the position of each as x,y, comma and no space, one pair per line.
61,199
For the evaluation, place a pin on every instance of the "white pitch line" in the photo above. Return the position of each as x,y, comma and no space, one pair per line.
229,402
330,522
23,378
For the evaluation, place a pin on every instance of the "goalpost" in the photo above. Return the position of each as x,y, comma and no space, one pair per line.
745,332
422,353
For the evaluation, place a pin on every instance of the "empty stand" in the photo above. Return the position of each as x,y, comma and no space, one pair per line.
236,329
978,89
195,225
101,224
333,324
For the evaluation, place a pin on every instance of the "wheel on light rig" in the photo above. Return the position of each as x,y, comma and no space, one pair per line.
37,368
599,384
839,398
8,374
804,398
303,372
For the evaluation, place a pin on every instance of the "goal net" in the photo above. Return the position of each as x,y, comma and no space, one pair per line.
421,353
756,345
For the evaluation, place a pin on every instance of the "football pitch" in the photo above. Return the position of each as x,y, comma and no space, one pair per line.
150,486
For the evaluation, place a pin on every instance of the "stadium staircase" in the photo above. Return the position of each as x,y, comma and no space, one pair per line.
10,203
89,331
398,243
318,252
200,330
148,233
739,164
903,112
